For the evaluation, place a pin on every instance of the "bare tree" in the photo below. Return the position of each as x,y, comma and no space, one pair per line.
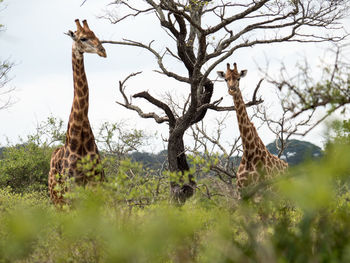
220,157
281,125
206,33
305,101
117,140
5,91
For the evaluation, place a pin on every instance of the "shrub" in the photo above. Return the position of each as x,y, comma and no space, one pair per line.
25,167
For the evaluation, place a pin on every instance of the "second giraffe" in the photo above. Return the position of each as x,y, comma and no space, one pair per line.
257,161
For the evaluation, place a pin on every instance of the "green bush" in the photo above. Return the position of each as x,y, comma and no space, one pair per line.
25,167
131,185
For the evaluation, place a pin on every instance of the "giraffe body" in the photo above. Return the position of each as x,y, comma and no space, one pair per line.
257,162
80,141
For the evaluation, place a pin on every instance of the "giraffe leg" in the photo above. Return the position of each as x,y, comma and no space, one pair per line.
54,174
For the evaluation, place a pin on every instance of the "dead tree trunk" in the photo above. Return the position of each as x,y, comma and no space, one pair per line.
179,190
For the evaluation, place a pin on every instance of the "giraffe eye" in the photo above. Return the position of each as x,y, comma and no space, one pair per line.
226,80
83,39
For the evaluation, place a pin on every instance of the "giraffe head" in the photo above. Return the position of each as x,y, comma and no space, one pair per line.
85,40
232,77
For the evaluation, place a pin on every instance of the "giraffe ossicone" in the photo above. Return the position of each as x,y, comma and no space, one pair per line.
257,162
80,142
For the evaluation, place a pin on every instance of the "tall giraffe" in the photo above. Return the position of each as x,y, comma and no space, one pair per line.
257,161
80,141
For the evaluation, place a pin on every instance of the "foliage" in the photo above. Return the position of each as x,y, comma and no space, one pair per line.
197,4
341,132
49,132
117,140
304,217
25,167
135,185
2,149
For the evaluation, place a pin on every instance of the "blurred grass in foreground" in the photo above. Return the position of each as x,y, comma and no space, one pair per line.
304,218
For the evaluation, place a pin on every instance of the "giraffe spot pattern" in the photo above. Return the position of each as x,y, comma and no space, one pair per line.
90,145
78,116
73,145
80,84
82,102
76,104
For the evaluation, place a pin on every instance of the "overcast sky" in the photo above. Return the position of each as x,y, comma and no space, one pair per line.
42,75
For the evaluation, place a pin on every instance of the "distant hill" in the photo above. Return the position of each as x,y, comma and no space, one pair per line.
297,151
150,160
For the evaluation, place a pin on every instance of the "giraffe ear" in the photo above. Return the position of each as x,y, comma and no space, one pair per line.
221,74
243,73
72,35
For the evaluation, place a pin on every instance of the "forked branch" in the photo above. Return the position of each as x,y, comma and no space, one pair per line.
127,103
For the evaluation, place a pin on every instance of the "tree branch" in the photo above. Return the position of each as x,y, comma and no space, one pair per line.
127,104
145,95
148,47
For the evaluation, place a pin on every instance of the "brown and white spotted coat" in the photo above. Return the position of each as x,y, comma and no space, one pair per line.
80,141
257,162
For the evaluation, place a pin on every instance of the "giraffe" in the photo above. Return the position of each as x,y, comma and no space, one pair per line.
257,161
80,141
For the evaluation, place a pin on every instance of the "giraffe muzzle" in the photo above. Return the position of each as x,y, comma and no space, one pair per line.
102,53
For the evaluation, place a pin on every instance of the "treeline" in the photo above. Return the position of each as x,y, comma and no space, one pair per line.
296,152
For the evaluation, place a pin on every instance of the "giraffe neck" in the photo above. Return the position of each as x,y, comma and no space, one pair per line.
79,127
249,136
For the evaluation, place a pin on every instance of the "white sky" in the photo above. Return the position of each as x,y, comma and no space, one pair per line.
34,40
